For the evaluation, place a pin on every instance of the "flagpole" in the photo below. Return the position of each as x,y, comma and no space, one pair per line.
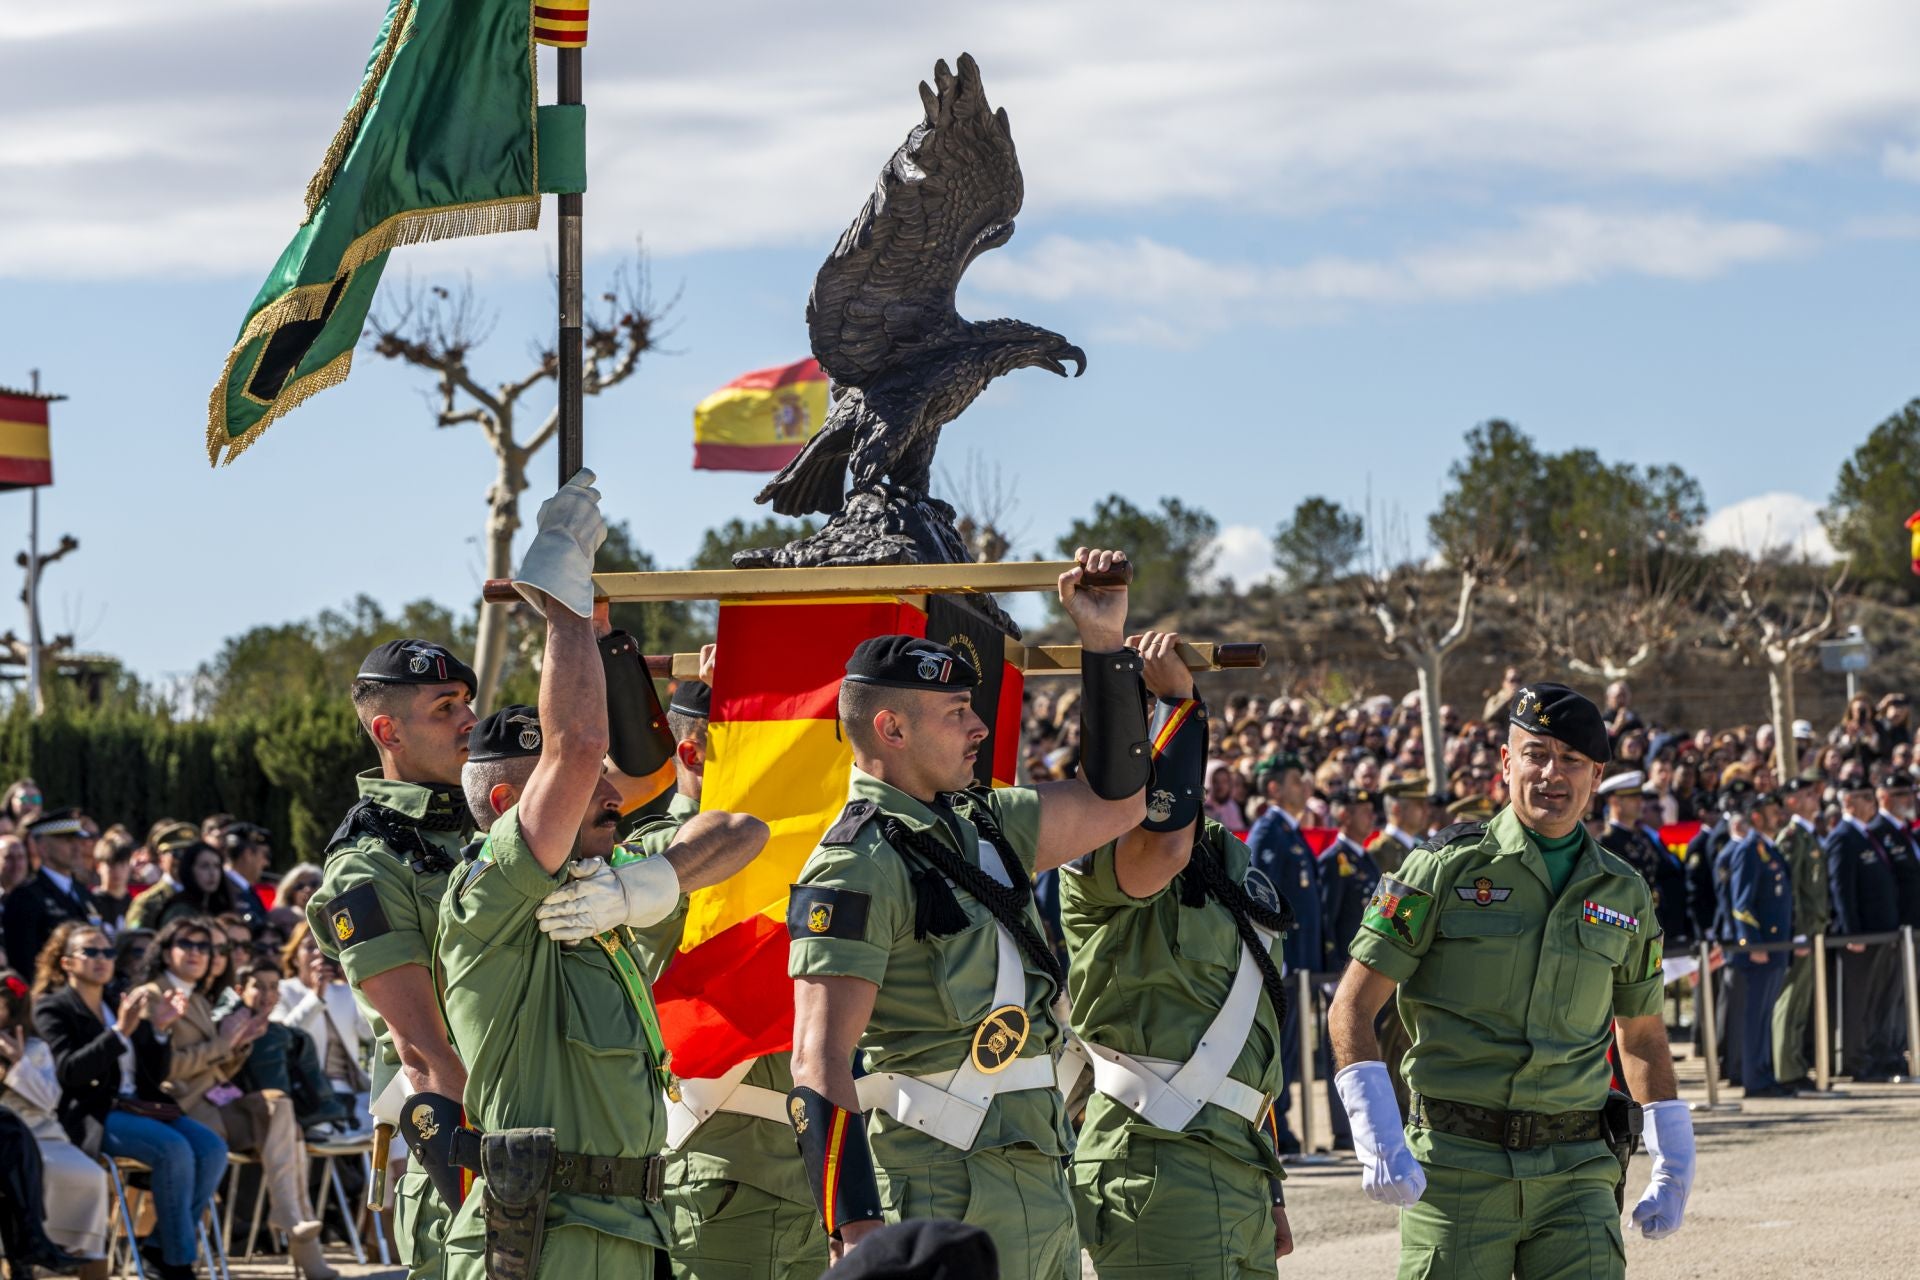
35,700
571,372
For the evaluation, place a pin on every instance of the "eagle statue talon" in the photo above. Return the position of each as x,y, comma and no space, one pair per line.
902,361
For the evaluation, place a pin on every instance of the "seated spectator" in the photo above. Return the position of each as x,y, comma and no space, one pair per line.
290,897
284,1058
13,863
202,891
62,840
20,806
111,1063
232,946
131,947
74,1185
1220,805
316,999
171,844
113,875
207,1054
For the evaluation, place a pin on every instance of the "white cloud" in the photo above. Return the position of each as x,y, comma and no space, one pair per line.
1244,554
1767,522
1902,162
1547,248
754,123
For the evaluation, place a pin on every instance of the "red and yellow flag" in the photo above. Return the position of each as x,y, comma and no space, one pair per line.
759,421
774,750
1913,524
26,457
562,24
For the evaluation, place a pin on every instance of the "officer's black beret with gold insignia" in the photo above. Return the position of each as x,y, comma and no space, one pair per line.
416,662
507,734
911,662
692,698
1555,711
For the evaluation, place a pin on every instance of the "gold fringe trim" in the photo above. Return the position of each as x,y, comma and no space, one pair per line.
419,226
343,138
330,374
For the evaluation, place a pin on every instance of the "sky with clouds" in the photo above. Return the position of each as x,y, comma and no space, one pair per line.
1307,246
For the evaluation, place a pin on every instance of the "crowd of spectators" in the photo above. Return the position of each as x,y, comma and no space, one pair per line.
165,1003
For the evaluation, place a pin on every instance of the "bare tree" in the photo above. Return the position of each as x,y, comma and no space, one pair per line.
1765,628
1421,631
438,330
985,502
21,651
1610,636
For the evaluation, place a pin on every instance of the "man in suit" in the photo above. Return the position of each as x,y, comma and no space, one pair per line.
58,839
1282,854
249,851
1865,900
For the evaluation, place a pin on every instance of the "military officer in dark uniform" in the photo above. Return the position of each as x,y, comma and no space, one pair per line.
1282,854
1348,875
1812,913
1894,825
1407,818
1866,899
1760,902
61,839
1627,840
1522,951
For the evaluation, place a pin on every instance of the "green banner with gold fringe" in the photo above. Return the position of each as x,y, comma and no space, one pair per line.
440,141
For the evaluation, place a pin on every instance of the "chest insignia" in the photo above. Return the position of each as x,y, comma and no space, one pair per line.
999,1038
1261,889
1345,866
1482,892
1593,913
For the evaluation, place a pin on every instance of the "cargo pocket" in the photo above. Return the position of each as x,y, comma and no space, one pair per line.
964,969
1588,993
1477,951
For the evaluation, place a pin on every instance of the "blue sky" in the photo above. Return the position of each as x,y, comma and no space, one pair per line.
1306,246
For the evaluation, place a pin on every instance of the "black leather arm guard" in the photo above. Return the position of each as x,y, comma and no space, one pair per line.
638,738
433,1125
1179,735
1116,755
839,1164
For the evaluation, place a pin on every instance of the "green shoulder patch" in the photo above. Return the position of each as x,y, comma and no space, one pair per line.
1397,910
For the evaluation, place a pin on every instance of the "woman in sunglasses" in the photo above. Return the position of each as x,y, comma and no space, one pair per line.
207,1055
111,1063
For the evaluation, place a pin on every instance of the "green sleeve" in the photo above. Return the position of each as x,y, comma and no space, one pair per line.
1638,985
1399,922
366,914
1090,885
867,910
1017,810
494,896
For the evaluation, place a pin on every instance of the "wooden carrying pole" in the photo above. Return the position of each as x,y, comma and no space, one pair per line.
1036,660
852,580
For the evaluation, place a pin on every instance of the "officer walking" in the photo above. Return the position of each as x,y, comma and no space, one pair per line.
736,1195
1522,949
1812,910
1177,1001
914,939
1865,900
1282,854
1761,907
562,1120
376,913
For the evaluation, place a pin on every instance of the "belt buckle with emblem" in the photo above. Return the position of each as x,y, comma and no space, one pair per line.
999,1038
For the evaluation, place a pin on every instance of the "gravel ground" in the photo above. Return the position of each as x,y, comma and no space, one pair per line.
1813,1187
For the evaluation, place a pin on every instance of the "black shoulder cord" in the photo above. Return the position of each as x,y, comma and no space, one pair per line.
938,914
1206,877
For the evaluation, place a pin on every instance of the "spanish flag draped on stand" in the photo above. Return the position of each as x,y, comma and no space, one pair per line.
760,420
774,750
443,139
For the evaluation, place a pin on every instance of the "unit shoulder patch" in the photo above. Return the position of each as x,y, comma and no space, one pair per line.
1397,910
356,916
816,911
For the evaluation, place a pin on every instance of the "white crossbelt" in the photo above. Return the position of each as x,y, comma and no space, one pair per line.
1168,1094
702,1099
952,1105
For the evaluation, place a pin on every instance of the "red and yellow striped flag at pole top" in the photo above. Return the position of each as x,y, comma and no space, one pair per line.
774,750
760,420
26,454
1913,524
562,25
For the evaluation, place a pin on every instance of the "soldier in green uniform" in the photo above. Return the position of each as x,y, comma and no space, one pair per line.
377,910
1812,910
1521,950
1407,820
736,1195
915,939
563,1112
1178,1002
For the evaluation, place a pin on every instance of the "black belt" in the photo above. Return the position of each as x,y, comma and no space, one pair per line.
634,1177
1514,1130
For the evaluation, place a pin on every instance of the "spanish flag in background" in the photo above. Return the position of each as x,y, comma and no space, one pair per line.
774,750
759,421
26,455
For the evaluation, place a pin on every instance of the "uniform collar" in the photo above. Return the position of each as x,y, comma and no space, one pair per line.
1512,837
895,803
1802,823
409,798
682,806
1394,832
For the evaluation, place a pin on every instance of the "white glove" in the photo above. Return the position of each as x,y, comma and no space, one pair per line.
1388,1172
1669,1138
559,564
600,898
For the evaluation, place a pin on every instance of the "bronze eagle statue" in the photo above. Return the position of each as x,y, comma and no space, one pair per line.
884,325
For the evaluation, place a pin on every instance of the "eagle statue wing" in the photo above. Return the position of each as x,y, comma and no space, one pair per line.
949,194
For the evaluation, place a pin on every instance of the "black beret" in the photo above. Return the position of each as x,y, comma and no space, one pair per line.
692,698
1350,799
1897,782
1555,711
922,1249
507,734
58,822
416,662
1738,796
1793,786
911,662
